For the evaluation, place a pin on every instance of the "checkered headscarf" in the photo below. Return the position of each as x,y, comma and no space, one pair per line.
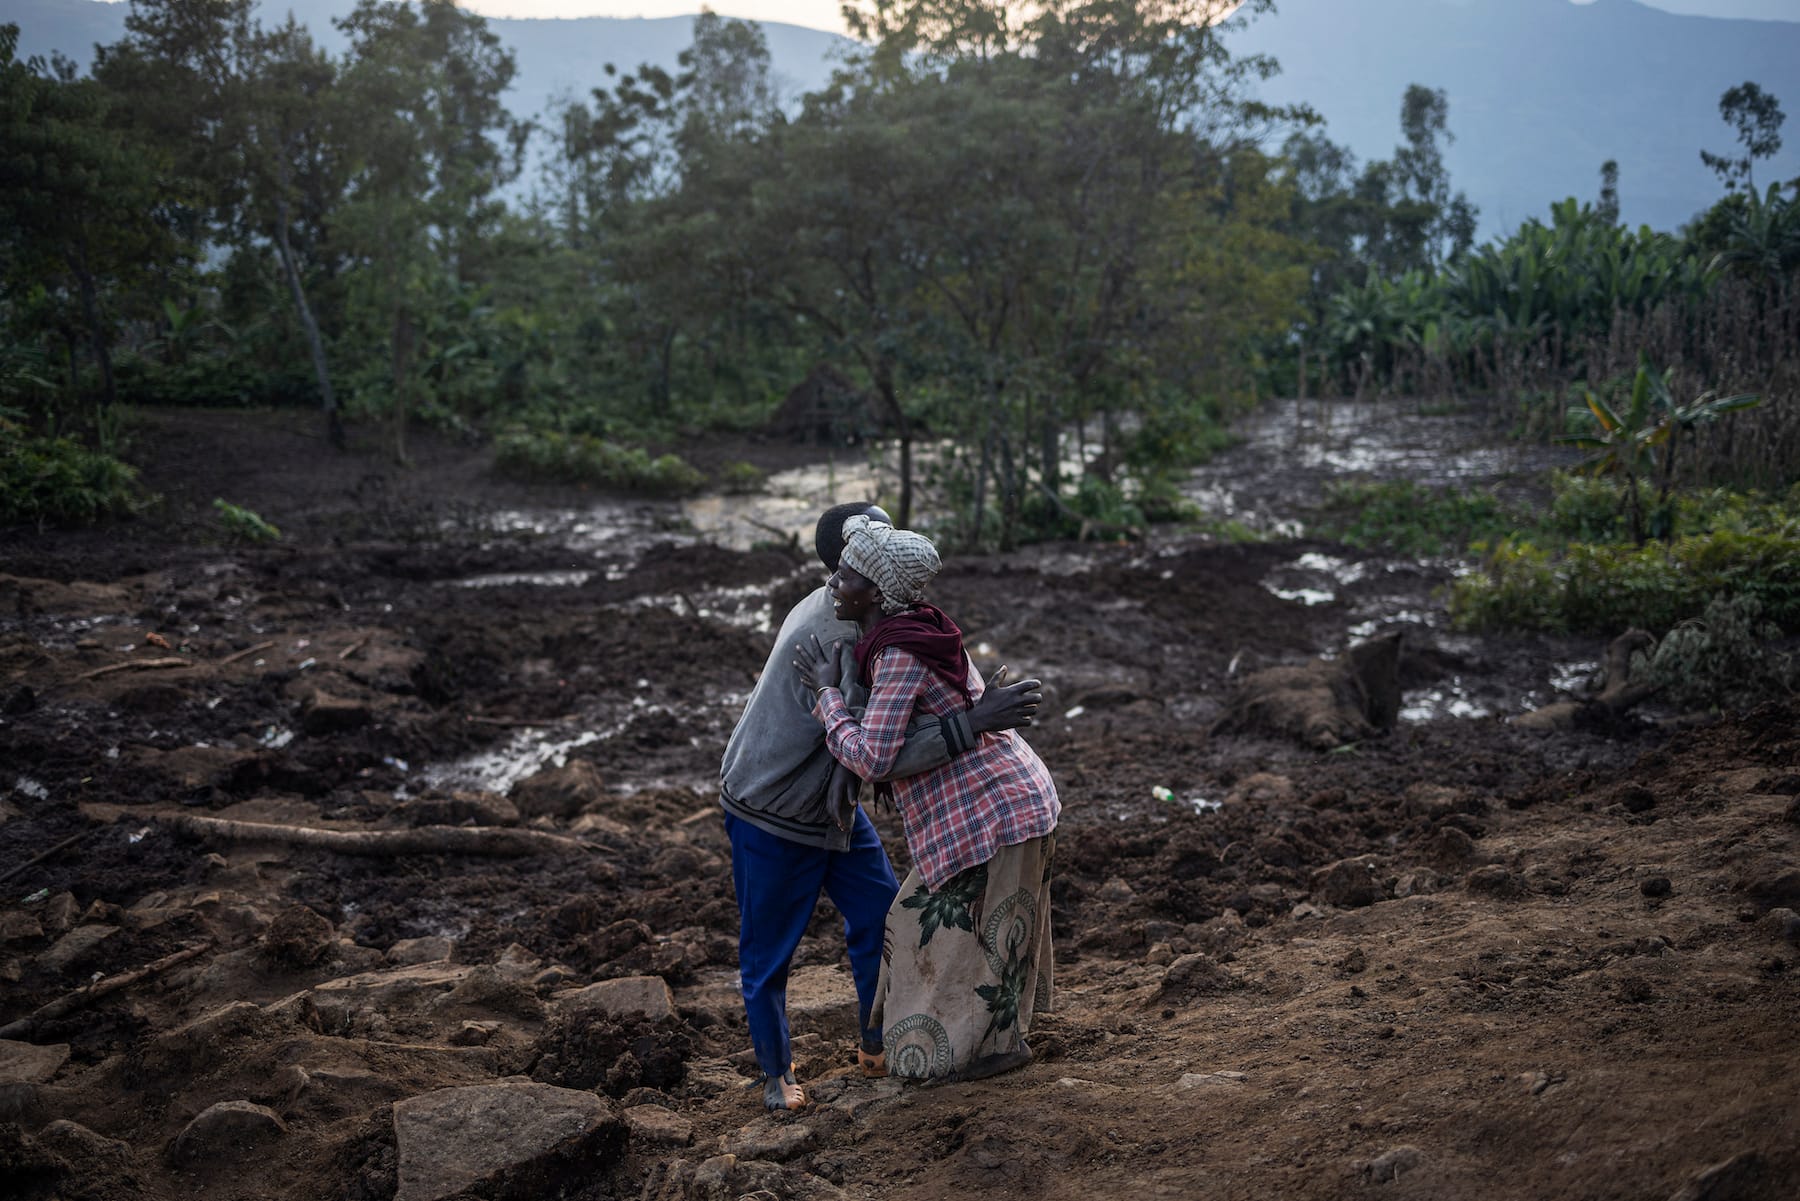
899,562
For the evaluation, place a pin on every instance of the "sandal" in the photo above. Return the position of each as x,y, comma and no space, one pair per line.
872,1063
782,1092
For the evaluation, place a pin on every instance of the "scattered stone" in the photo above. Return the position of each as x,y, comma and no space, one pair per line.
559,792
1785,783
556,976
475,1034
59,913
1348,883
654,1124
460,808
1432,801
28,1063
227,1130
1727,1181
647,995
74,946
457,1138
1782,924
1417,884
1192,1080
193,1048
1391,1165
1352,964
772,1138
1656,886
1776,890
18,926
1447,848
1197,975
487,987
1160,955
1495,880
322,713
1635,798
298,938
1116,891
433,949
517,962
1262,788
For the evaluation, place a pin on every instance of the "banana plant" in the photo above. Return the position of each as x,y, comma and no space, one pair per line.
1641,439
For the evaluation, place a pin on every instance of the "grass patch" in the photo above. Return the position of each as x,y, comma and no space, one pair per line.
1410,519
549,457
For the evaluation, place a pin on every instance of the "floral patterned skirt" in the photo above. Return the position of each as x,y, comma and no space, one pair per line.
964,968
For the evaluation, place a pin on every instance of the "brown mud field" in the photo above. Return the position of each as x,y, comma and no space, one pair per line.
385,861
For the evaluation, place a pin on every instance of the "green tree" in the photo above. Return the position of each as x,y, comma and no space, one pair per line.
1757,117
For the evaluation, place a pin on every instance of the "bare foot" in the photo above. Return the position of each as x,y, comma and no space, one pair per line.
781,1092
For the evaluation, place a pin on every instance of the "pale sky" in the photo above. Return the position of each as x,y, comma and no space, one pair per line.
824,14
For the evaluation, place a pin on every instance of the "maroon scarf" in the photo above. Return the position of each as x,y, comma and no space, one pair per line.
926,632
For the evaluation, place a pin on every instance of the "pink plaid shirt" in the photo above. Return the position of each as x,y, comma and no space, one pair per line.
996,794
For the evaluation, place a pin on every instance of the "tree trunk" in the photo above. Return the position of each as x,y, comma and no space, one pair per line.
334,426
402,360
890,397
90,311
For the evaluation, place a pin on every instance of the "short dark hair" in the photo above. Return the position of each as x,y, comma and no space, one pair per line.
828,535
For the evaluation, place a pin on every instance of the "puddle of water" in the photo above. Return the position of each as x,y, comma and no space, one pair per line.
1451,700
526,753
1579,676
547,579
789,505
1399,617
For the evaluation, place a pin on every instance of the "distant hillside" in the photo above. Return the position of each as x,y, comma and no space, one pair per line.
1541,91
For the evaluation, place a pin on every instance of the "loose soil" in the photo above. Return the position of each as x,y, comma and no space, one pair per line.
1465,959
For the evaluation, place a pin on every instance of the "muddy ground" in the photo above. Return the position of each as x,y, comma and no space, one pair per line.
1464,959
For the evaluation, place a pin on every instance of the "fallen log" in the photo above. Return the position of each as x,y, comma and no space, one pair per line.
134,665
83,997
501,841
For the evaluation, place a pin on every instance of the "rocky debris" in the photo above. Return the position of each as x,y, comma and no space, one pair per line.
1732,1180
727,1178
336,1006
499,1137
475,1034
559,792
433,949
1197,975
1392,1164
1781,923
18,926
488,988
1447,848
646,995
1655,887
1634,798
91,1154
73,947
1348,883
659,1126
1495,880
28,1063
298,938
1225,1080
60,913
589,1048
458,809
1773,889
322,713
773,1137
1325,703
1433,801
226,1131
198,1045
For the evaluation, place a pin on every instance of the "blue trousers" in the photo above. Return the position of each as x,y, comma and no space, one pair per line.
778,884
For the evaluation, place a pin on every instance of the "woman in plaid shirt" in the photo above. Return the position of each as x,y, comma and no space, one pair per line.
967,959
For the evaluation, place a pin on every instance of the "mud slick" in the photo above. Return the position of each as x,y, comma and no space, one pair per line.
385,863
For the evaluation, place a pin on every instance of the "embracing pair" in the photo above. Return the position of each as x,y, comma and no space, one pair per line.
868,682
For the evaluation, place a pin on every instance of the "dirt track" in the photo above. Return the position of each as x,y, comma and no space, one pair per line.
1539,965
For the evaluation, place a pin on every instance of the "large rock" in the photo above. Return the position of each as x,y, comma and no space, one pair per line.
323,713
1348,883
560,792
503,1137
28,1063
228,1131
299,938
196,1046
74,946
647,995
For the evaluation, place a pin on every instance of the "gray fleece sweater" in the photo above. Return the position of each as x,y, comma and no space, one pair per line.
777,766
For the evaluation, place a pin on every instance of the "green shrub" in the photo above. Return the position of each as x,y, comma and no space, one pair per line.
556,458
1722,660
1601,589
59,482
243,525
1410,519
